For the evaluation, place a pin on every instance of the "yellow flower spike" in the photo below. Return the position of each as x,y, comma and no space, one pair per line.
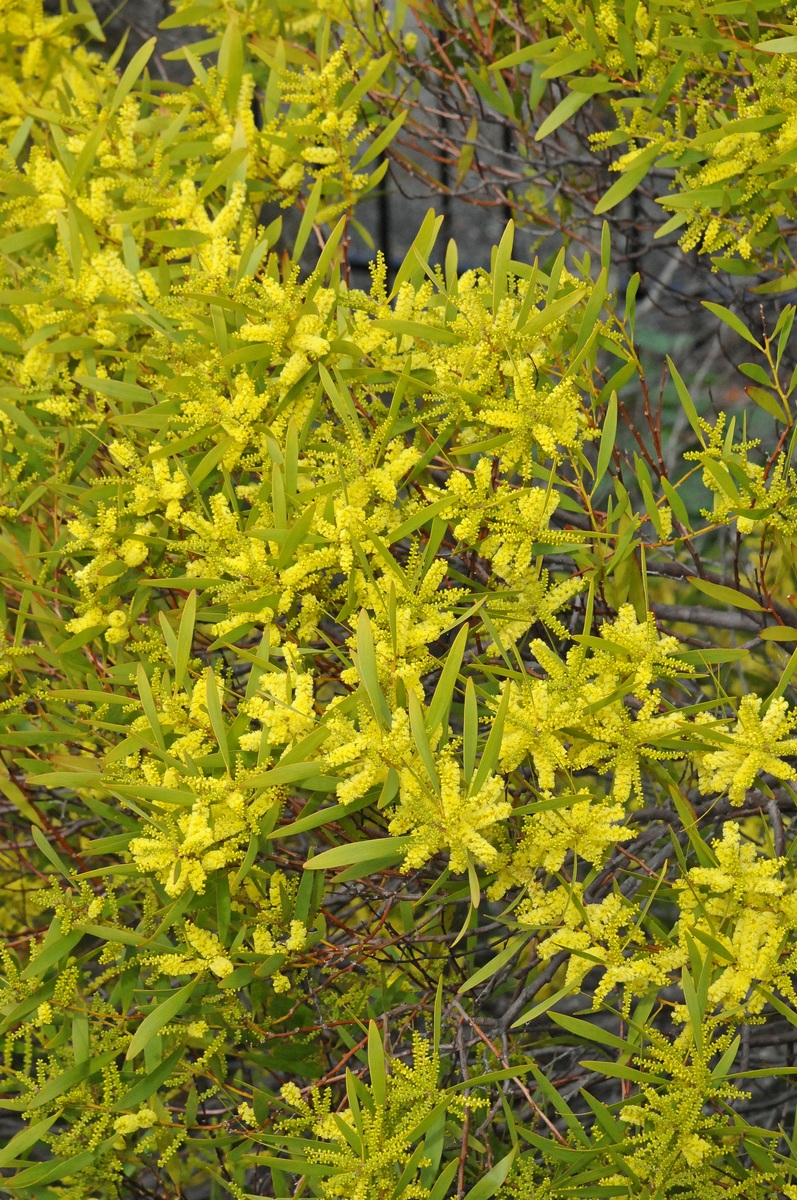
760,744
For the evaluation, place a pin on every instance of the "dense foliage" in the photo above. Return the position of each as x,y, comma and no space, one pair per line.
398,734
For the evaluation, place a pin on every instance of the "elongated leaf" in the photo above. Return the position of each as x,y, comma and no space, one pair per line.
49,851
694,1009
726,595
160,1016
367,669
185,637
308,217
470,733
443,693
417,520
23,1140
489,759
779,633
70,1078
440,1189
608,435
492,1181
494,965
217,718
377,1064
383,140
55,947
627,182
781,45
149,705
360,853
420,248
132,72
732,321
148,1086
726,1062
46,1172
564,110
222,171
421,739
590,1032
686,401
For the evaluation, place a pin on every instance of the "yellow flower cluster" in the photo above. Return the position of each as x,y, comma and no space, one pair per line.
442,815
210,833
748,904
207,955
743,911
376,1141
757,744
579,717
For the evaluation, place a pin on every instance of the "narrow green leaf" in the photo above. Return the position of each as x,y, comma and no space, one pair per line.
372,76
627,182
726,1062
367,669
492,1181
565,109
726,595
470,732
444,1181
732,321
70,1078
23,1141
361,853
377,1064
444,692
676,503
527,54
494,965
590,1032
383,140
296,538
608,435
420,248
694,1009
767,400
686,401
421,739
542,1006
160,1016
589,320
141,1091
49,851
500,267
217,718
779,633
781,45
132,72
308,217
222,171
149,705
185,638
489,758
55,947
327,254
418,519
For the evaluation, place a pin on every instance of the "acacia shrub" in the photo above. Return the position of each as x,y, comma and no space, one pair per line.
398,757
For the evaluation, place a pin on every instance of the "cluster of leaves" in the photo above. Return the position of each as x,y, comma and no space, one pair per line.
365,759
